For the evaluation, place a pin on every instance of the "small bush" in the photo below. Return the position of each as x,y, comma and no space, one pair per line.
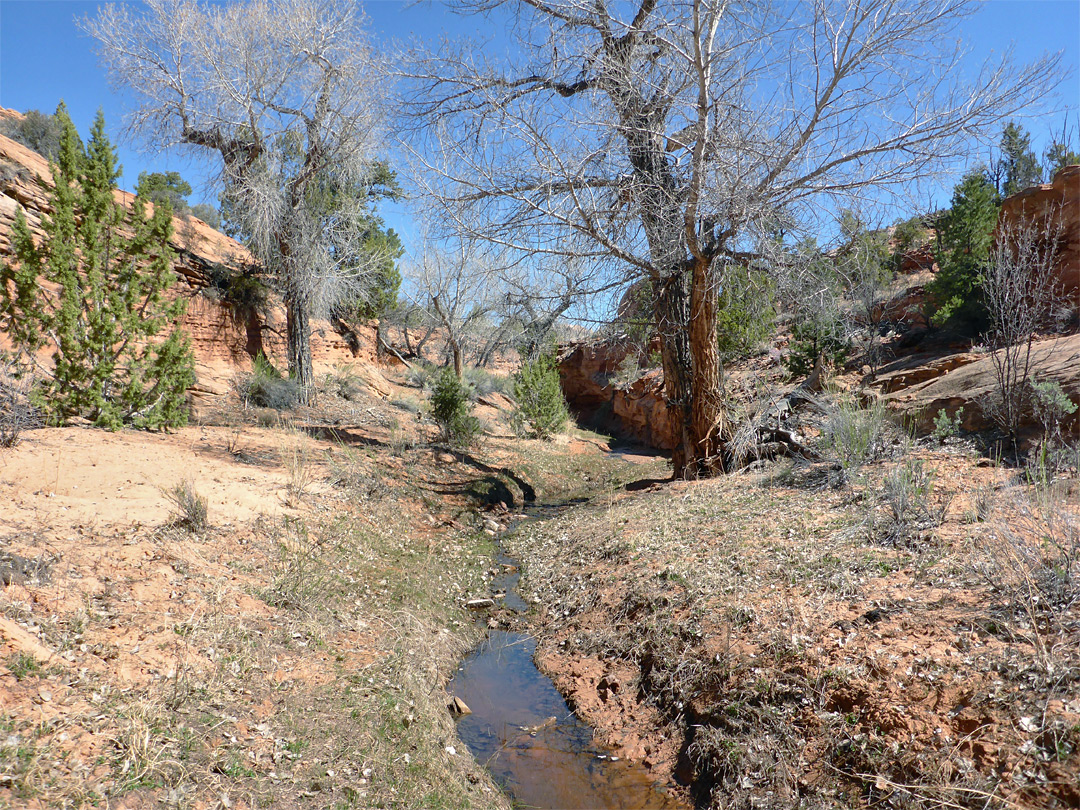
299,579
541,409
344,382
855,435
906,495
945,426
37,130
407,404
908,235
16,411
814,338
483,382
264,387
1051,405
191,508
420,375
747,313
452,411
241,290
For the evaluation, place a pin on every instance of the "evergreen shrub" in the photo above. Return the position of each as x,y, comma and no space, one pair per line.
452,410
541,409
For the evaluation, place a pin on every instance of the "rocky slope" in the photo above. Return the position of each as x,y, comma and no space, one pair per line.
224,341
916,384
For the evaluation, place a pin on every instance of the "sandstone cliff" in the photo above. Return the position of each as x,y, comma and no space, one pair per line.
224,342
1054,206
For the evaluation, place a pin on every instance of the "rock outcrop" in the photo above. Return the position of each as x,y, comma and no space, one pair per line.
637,410
967,380
224,341
1054,208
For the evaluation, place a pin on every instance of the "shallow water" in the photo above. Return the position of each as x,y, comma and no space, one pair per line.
540,761
530,741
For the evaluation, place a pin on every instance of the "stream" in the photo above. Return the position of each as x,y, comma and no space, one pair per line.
523,732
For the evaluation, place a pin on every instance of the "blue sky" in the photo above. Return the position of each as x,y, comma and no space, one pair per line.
44,57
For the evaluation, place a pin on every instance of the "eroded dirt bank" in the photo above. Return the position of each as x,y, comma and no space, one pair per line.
765,641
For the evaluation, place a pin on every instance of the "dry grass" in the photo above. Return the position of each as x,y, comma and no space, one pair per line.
804,662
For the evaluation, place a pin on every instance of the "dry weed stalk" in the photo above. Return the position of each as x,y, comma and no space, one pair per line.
1031,559
295,456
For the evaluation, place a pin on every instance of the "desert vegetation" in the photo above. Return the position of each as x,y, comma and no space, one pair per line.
787,463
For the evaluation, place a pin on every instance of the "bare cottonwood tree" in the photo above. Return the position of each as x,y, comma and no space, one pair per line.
657,137
455,287
285,94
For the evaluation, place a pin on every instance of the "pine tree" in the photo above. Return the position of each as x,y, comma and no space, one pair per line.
965,234
102,305
1019,162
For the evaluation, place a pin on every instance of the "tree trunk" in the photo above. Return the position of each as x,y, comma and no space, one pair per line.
671,310
710,430
298,330
459,365
685,309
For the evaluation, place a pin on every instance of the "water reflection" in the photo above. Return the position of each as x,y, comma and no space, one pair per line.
522,730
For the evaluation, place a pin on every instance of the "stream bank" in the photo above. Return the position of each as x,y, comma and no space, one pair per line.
523,731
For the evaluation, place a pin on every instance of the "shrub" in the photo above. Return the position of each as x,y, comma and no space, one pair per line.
420,374
452,411
854,435
1021,295
945,426
747,313
908,234
345,382
1051,405
110,302
241,290
906,495
16,412
541,410
38,131
264,387
191,508
482,382
814,338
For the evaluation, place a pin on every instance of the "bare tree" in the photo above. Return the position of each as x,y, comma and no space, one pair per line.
658,138
1023,296
456,288
285,94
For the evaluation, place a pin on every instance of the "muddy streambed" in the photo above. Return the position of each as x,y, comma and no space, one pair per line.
527,737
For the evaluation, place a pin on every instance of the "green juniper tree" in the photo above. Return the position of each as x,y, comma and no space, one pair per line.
158,187
541,408
1019,164
94,289
964,236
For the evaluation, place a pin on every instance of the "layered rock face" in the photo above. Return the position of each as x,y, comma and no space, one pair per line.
1054,208
223,340
967,380
637,411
